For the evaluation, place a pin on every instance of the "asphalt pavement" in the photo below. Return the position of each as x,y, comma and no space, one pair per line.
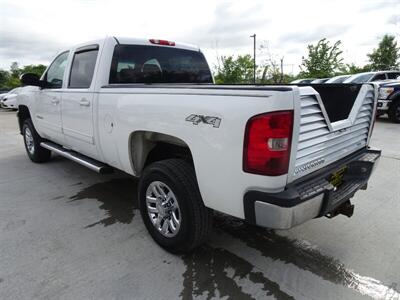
69,233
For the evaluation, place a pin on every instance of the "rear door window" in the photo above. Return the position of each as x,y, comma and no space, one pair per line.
156,64
379,77
393,75
82,69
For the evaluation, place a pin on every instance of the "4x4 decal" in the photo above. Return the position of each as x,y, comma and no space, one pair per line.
196,119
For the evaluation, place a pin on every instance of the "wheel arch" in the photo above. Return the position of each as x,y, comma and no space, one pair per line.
392,107
395,97
146,147
23,114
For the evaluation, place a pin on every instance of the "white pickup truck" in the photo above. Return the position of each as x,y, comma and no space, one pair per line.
275,156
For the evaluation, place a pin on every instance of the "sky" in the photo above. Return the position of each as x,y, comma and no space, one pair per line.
33,32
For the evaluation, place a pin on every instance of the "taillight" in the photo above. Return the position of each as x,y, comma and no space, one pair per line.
162,42
267,143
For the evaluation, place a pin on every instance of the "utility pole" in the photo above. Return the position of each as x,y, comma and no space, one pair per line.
281,69
254,58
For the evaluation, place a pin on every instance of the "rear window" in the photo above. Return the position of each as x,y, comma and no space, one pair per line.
155,64
379,77
393,75
82,69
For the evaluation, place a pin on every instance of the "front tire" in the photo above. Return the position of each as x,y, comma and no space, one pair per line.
394,112
171,206
32,141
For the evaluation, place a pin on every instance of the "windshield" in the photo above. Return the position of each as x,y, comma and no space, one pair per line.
360,78
154,64
337,79
320,80
14,91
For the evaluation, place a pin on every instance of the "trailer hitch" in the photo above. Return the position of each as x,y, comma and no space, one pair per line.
345,208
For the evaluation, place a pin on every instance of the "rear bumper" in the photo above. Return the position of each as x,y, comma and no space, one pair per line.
5,104
312,196
383,105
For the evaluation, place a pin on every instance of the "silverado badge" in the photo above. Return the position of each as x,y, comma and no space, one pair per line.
308,166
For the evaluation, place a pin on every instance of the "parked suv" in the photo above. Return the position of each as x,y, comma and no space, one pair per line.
9,100
389,100
372,76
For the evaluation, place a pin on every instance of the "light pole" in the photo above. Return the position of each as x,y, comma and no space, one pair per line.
254,58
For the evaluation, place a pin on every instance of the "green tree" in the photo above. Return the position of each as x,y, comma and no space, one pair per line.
269,70
386,56
12,82
353,69
234,70
4,77
14,69
10,79
36,69
13,79
323,60
271,74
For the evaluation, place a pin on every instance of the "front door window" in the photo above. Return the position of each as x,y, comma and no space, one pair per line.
55,74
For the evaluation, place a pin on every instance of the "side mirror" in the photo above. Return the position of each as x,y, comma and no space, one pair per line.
30,79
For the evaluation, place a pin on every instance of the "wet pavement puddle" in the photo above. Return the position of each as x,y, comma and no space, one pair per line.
216,272
117,198
305,257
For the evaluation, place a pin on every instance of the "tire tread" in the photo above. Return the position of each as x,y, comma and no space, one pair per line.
392,111
201,218
41,154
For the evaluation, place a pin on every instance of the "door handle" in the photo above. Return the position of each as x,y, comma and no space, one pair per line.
84,102
55,100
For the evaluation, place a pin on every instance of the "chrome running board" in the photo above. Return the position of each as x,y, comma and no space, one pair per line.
83,160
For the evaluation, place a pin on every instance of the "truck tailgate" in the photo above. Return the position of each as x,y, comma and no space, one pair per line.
333,122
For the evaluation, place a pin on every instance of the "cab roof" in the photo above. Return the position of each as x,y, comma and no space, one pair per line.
141,41
146,42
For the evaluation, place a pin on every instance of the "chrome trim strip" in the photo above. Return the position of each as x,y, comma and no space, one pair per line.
277,217
71,156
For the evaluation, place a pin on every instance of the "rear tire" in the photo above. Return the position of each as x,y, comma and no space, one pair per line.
394,112
168,193
32,141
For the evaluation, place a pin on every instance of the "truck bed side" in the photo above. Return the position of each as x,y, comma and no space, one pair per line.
217,151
